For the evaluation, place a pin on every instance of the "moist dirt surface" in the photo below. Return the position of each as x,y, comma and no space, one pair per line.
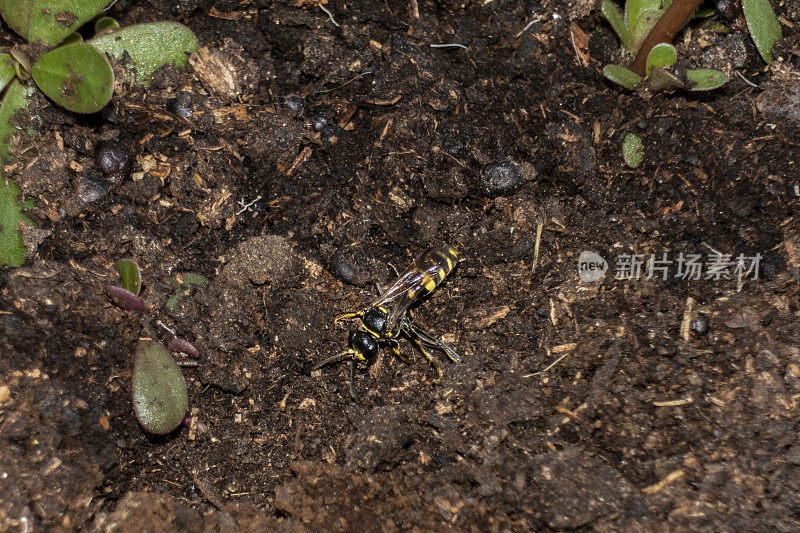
300,157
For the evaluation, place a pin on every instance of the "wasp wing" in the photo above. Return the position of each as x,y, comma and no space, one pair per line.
428,271
399,309
411,279
424,280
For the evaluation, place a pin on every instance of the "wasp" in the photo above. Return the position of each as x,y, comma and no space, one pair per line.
388,317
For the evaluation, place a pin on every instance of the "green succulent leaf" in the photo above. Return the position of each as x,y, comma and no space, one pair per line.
632,150
160,396
12,249
15,98
644,25
634,9
49,21
76,77
662,55
105,23
763,26
183,282
173,304
7,70
614,17
621,76
72,38
131,277
149,46
702,14
705,79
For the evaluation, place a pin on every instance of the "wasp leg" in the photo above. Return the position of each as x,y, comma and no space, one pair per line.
334,359
353,378
349,354
430,358
395,347
351,315
432,342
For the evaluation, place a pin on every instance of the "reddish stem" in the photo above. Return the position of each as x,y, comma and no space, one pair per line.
670,23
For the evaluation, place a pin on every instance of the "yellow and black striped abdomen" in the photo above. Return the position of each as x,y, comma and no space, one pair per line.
434,265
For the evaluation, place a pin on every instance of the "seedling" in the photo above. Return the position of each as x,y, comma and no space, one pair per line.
74,75
763,26
177,344
160,395
183,282
642,16
632,150
647,28
12,249
127,296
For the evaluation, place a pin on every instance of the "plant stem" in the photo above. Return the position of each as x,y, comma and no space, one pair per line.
670,23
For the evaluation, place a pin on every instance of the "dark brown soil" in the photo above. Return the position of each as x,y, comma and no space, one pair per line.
295,161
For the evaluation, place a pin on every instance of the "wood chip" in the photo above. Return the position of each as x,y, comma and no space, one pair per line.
716,401
673,403
688,315
580,42
226,15
385,102
54,463
301,158
489,316
561,348
671,477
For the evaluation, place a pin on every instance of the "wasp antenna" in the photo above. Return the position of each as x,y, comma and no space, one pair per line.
334,359
353,378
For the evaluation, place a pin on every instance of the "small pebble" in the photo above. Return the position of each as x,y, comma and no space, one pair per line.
181,105
728,10
322,116
112,160
502,177
346,269
295,104
89,189
699,324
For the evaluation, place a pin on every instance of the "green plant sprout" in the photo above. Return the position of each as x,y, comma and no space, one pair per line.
126,296
12,249
183,283
763,26
648,26
75,75
160,395
632,150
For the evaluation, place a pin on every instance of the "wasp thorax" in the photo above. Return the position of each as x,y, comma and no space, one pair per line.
363,344
374,320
